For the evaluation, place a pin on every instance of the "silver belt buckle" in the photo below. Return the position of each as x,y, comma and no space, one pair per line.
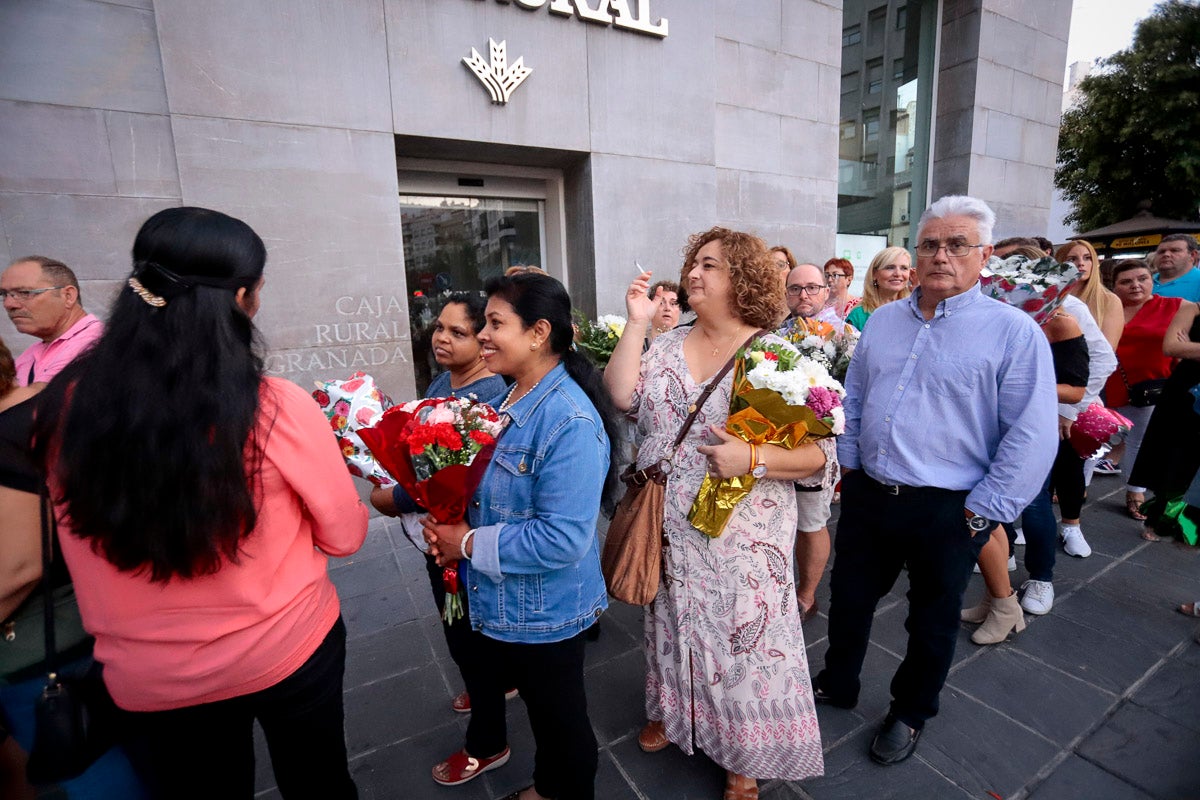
892,489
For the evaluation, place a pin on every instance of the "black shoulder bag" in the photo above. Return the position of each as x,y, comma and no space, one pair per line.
74,717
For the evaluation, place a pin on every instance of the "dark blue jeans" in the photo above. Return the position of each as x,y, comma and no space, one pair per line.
877,535
207,751
1041,534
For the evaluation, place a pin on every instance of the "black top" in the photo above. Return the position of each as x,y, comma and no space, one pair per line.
17,470
1070,361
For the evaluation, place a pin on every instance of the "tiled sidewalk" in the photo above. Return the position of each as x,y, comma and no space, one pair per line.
1098,699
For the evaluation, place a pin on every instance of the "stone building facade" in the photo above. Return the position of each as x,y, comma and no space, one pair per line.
359,141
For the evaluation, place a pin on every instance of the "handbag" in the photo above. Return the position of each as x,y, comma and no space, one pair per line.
632,557
1098,430
74,717
1143,393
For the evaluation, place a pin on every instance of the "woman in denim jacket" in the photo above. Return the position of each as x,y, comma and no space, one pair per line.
530,558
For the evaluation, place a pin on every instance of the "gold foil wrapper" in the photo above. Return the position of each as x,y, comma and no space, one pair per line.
758,416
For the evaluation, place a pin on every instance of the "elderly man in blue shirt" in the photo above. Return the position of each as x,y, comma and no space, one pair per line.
951,427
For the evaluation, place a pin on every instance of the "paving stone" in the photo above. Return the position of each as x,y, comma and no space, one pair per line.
402,769
875,694
851,775
383,608
1055,704
1170,556
395,708
1153,753
1173,692
960,743
1118,614
669,773
628,617
377,543
1099,657
1076,777
610,783
613,641
387,652
616,696
365,575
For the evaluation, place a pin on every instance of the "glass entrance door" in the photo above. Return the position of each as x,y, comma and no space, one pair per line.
455,244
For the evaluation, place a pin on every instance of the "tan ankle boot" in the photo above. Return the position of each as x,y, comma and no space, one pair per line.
1005,617
979,613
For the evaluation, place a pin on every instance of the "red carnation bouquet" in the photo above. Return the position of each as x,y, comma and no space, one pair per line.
438,450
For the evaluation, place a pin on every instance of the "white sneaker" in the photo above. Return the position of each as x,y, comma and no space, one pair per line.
1020,536
1073,542
1037,597
1012,565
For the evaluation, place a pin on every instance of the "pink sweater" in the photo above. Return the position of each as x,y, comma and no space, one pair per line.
251,624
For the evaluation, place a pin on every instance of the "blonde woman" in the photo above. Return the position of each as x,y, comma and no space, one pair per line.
1104,305
888,278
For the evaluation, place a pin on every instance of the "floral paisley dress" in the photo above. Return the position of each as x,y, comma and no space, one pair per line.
726,669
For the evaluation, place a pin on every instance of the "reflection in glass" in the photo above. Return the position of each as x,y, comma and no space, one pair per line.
883,140
454,244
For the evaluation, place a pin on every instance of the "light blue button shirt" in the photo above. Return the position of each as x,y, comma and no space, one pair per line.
965,400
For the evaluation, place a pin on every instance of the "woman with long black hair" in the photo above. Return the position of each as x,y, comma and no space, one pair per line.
529,550
197,501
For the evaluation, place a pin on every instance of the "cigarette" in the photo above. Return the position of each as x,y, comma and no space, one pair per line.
638,267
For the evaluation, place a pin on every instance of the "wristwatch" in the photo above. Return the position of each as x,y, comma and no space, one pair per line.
760,468
976,523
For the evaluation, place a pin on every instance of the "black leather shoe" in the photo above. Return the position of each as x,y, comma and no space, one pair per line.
823,699
894,742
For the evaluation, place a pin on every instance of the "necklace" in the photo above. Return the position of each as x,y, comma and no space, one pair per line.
717,348
508,401
470,376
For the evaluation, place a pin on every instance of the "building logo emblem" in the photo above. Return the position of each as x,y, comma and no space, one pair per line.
499,78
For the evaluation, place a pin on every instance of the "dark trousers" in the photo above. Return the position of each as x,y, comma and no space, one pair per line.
550,679
1041,535
207,751
877,535
486,733
1066,478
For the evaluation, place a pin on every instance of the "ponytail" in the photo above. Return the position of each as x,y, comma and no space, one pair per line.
591,380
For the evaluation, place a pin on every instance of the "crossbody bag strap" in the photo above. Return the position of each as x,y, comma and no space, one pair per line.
48,525
1124,377
708,390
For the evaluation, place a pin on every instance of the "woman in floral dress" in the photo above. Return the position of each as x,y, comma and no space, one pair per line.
726,667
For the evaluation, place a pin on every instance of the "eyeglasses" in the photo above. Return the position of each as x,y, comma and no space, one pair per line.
929,249
833,276
810,289
23,295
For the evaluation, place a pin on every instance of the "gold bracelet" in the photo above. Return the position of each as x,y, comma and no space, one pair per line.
753,458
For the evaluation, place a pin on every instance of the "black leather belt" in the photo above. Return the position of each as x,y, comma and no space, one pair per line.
894,489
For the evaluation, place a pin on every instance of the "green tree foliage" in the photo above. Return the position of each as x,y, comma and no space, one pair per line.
1135,133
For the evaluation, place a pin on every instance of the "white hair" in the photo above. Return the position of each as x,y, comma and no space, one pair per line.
960,205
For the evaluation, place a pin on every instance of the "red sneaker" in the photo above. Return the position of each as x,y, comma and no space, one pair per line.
462,767
462,702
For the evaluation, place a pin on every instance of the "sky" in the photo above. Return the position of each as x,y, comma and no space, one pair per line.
1102,27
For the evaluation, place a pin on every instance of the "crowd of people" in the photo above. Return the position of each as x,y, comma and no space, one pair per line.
197,559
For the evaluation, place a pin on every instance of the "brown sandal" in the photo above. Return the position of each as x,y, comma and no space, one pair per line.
1134,506
737,788
653,737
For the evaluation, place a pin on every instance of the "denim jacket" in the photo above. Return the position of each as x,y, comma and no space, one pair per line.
534,574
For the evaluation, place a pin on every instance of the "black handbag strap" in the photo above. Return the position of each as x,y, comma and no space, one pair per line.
1124,377
48,529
